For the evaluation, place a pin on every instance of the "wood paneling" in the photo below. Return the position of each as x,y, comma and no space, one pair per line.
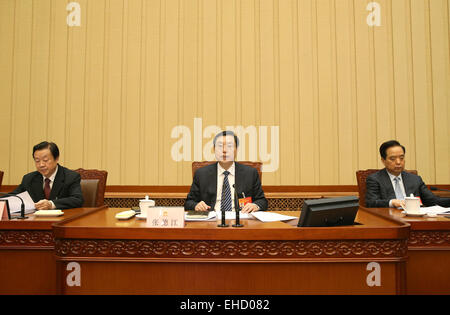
111,91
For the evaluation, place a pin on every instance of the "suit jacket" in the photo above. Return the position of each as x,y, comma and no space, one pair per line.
66,190
380,190
204,186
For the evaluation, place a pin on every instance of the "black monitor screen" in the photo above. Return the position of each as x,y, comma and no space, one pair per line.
329,211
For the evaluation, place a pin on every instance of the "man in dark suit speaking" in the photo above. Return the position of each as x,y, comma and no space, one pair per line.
389,186
51,186
213,187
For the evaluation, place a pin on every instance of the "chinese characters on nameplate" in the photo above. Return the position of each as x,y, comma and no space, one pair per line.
165,217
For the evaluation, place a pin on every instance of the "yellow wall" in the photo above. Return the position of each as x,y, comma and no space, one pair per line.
110,91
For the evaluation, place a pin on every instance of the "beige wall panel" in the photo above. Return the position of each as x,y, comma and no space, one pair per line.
328,137
72,152
57,75
288,113
384,87
131,78
38,108
365,88
268,75
423,102
439,27
172,86
346,96
141,87
113,90
247,56
208,75
20,100
308,94
189,27
93,114
403,83
247,95
227,47
7,37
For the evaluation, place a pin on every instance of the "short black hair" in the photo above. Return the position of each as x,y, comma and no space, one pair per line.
47,145
226,133
389,144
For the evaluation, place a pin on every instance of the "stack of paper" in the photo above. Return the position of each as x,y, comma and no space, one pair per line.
15,203
271,217
435,210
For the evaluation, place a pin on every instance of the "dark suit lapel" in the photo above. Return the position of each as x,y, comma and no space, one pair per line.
386,182
407,183
213,184
37,188
58,183
238,178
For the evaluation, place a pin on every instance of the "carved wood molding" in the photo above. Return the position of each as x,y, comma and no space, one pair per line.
231,249
9,238
274,204
429,239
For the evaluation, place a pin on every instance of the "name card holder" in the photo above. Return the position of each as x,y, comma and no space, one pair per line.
165,217
4,210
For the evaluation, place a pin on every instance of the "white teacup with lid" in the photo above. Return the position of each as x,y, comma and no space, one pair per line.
145,204
412,205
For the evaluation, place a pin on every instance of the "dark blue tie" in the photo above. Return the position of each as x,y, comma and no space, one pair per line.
226,194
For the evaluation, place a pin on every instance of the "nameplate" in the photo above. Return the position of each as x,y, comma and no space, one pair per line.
3,211
165,217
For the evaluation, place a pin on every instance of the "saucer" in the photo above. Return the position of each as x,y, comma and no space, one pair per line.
414,214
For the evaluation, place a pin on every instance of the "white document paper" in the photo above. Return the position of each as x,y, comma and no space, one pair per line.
435,210
211,215
271,217
15,203
231,215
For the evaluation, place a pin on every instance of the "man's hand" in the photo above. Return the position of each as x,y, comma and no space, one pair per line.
250,207
202,206
44,204
398,203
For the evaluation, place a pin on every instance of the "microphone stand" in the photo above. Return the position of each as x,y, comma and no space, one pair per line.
22,206
223,223
237,209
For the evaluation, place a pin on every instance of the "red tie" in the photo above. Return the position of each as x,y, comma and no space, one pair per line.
47,189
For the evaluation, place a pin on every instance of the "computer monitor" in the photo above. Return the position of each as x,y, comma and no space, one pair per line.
329,212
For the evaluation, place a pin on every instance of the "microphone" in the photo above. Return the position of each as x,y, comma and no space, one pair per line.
237,208
440,189
22,206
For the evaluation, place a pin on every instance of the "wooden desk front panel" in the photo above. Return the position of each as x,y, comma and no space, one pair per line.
30,271
428,270
261,258
222,277
27,258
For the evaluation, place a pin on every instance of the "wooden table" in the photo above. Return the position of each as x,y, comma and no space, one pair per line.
27,263
97,254
428,267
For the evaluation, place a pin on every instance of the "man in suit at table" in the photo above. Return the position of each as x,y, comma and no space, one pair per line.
51,186
213,186
389,186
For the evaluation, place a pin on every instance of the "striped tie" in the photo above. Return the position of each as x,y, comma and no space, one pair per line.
226,194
